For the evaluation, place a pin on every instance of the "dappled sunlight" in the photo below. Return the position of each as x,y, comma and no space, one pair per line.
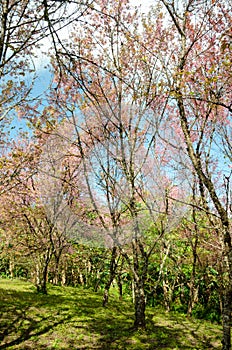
73,318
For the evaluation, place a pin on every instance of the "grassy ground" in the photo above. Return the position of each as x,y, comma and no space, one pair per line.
69,318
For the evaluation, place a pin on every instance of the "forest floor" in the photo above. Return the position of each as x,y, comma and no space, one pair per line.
73,318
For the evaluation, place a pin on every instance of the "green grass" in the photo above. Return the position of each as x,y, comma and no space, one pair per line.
70,318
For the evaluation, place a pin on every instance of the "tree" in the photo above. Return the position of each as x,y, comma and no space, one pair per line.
25,27
200,94
107,108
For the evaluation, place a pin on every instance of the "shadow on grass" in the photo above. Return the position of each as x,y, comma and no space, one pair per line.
69,318
28,315
117,334
25,327
19,320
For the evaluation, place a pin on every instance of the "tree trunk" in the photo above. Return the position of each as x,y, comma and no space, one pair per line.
226,316
42,277
167,294
140,305
57,255
41,280
119,282
193,297
56,277
44,280
37,277
113,267
11,267
193,292
227,295
63,276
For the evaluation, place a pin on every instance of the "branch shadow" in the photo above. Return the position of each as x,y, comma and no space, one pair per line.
26,317
116,332
16,323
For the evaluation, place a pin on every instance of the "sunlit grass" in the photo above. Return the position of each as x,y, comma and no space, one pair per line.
70,318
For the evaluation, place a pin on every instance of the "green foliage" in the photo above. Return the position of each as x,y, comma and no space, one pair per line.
209,312
4,267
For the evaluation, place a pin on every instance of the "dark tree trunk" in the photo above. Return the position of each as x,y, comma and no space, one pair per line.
113,267
193,292
119,282
42,284
226,316
57,255
227,295
42,279
140,306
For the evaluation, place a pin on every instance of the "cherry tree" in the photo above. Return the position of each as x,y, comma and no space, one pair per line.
27,29
197,62
111,97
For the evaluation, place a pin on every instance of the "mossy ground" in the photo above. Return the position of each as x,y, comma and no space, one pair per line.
73,318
